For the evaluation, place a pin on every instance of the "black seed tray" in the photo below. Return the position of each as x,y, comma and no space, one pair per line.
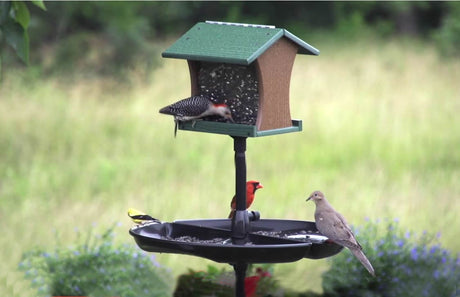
270,241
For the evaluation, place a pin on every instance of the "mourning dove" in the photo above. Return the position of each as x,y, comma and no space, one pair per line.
334,226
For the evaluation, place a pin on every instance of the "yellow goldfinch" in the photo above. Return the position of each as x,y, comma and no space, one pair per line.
139,217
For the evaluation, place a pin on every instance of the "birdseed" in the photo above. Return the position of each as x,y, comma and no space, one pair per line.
235,85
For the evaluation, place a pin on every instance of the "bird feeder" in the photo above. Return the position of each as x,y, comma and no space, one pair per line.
247,67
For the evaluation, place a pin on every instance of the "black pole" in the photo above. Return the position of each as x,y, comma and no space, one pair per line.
240,274
240,221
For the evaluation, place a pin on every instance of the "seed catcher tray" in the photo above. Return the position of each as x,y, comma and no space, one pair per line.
269,241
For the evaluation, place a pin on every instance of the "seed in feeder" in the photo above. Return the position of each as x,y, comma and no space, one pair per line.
192,239
233,85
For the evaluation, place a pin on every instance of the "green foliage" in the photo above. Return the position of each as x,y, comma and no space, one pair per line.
202,283
14,22
220,283
101,38
96,267
107,38
405,265
448,36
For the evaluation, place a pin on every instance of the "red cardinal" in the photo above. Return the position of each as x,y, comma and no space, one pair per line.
251,187
251,282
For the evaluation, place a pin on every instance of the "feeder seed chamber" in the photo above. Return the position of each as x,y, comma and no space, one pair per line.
247,67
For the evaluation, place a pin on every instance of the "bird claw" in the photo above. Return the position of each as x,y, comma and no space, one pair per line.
194,122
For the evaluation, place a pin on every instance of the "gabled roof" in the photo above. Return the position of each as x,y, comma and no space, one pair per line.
231,42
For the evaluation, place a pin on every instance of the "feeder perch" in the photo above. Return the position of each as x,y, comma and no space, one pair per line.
247,67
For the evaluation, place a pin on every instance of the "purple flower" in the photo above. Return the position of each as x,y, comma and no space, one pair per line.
433,249
414,254
154,260
407,235
400,243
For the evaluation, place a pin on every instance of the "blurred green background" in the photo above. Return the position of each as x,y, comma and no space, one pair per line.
81,139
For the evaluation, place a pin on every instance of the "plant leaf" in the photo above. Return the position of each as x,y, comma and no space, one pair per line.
18,39
21,14
39,3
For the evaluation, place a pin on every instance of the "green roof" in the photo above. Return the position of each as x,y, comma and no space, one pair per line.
231,43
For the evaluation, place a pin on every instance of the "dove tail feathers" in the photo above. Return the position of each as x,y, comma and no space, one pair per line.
358,253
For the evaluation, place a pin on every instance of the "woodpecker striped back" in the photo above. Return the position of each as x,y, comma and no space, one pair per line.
192,107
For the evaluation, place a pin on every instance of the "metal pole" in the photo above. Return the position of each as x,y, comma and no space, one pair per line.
240,221
240,274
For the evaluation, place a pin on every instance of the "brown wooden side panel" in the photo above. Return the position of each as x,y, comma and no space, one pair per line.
274,69
194,67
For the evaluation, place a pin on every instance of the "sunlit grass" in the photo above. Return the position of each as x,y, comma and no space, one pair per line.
381,136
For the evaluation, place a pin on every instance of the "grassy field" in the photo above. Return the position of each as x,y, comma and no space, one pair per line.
381,138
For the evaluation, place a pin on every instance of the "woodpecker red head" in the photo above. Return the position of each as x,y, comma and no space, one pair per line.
251,187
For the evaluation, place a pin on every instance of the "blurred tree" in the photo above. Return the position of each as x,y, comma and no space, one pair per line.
110,37
448,36
97,37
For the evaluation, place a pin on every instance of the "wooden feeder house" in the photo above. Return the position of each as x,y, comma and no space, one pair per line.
247,67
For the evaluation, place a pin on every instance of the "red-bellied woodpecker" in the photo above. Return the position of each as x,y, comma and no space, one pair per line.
196,107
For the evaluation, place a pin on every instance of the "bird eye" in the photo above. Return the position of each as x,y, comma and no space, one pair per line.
316,194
